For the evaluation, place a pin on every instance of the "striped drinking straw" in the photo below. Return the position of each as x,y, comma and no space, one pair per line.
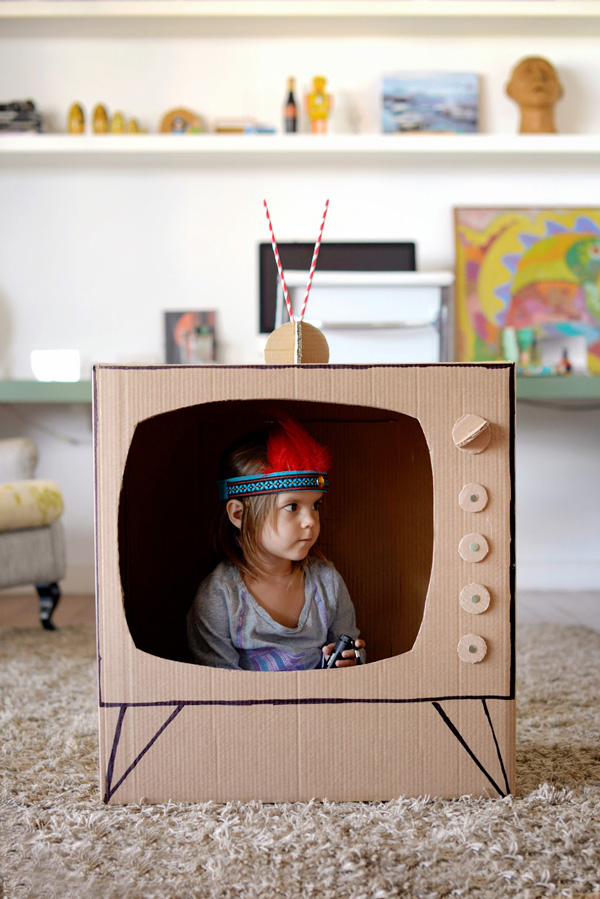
278,263
313,264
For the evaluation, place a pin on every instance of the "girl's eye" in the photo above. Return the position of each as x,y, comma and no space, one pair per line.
317,505
291,507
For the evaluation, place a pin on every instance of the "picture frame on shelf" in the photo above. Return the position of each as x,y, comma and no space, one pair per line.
438,102
526,268
190,337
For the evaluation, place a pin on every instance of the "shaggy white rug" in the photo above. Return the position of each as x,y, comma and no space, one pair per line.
58,839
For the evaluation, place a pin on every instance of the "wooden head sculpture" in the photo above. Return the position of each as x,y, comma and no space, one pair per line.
534,85
296,341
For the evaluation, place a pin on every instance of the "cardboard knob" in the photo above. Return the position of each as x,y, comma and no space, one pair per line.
471,433
472,648
473,547
295,343
474,599
473,498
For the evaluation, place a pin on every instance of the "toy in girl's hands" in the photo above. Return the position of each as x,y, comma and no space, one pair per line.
343,654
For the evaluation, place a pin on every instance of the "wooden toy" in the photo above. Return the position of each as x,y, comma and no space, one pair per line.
117,123
100,119
182,121
76,119
319,105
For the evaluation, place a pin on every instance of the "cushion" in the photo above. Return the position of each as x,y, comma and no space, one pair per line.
29,504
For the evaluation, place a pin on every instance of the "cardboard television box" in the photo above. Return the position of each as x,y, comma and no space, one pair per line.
419,520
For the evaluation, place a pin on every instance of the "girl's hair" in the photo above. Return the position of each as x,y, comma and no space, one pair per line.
247,456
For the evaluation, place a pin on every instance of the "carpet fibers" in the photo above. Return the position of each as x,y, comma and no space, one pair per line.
58,839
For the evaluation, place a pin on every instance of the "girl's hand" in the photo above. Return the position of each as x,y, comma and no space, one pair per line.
348,659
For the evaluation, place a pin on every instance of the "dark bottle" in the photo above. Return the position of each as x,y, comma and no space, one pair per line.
290,110
564,365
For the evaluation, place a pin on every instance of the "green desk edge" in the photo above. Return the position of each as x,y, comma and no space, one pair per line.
45,391
568,387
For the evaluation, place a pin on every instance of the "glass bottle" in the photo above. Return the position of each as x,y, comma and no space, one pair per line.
290,109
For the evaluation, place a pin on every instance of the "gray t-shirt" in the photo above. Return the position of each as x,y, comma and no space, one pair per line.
227,628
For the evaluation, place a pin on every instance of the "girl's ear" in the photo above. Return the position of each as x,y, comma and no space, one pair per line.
235,512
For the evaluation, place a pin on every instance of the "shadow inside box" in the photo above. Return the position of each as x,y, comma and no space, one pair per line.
560,764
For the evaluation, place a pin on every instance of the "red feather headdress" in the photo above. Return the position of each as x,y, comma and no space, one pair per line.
291,448
295,461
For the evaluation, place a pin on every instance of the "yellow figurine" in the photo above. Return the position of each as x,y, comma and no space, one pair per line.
76,119
134,127
100,119
318,105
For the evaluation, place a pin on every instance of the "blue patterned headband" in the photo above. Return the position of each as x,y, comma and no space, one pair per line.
274,482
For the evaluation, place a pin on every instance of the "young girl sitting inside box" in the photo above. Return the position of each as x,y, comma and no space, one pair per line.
270,605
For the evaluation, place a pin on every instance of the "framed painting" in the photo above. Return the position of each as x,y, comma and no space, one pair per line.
526,268
442,102
190,337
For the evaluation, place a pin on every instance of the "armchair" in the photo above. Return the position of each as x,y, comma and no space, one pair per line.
32,545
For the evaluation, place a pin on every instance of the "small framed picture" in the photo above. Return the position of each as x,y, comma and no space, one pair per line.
438,102
190,337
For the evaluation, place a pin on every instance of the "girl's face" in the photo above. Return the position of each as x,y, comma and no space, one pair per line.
295,528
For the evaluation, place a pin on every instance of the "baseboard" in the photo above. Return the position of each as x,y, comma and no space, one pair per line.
78,581
558,576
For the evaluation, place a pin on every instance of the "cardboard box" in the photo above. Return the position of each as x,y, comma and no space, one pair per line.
419,520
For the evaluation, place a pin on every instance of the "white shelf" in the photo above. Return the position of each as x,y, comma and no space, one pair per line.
548,147
299,9
306,18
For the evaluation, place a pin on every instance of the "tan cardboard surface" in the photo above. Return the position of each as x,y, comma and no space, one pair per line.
393,525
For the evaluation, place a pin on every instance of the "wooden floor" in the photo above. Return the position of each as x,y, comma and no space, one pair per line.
21,610
562,608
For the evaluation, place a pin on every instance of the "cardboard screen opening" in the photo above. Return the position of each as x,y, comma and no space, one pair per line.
376,523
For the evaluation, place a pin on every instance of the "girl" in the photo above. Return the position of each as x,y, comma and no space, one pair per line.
270,605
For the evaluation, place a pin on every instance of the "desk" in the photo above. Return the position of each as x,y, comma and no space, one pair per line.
45,392
566,387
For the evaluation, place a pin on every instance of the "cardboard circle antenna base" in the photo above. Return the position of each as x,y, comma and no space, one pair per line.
296,342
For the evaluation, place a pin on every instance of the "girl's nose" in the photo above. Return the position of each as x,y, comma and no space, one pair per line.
310,518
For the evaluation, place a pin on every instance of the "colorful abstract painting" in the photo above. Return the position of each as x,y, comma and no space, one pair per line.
526,268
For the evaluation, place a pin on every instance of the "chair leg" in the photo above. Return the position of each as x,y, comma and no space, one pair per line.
49,595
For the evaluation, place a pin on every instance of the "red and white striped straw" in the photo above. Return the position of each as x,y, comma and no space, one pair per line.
278,263
313,264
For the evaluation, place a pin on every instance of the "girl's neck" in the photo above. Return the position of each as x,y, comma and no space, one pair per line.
280,593
280,572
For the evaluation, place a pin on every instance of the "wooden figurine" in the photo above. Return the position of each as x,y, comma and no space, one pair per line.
100,119
76,119
318,105
182,121
117,123
534,85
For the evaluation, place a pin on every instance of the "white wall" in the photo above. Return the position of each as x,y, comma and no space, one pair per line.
93,252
